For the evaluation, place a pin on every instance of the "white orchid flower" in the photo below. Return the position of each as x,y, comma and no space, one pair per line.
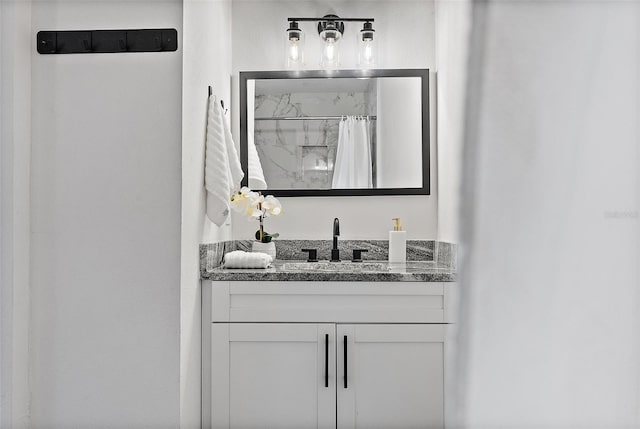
253,211
244,191
271,205
255,205
240,202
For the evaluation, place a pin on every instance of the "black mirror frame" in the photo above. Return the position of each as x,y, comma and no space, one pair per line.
423,74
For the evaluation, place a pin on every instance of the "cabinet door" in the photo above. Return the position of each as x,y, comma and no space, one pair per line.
394,376
273,375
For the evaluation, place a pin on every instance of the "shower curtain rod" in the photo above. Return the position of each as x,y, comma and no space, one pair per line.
311,118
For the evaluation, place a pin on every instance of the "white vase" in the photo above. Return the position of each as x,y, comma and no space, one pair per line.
268,248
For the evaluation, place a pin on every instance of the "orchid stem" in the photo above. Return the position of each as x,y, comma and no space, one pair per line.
261,230
261,224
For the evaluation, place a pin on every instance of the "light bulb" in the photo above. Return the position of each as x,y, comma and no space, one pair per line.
329,51
367,55
294,51
330,54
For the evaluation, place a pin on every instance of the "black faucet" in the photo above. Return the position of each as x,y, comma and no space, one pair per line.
335,253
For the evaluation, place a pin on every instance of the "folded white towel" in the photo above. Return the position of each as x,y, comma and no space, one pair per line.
242,259
222,174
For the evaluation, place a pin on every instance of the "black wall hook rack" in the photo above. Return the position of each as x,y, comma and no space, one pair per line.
107,41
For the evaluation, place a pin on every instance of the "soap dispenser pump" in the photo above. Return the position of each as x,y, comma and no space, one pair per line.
397,243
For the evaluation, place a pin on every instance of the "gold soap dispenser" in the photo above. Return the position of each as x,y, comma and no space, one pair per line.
397,243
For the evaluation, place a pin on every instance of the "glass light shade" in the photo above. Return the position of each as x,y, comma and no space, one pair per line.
294,48
330,58
366,48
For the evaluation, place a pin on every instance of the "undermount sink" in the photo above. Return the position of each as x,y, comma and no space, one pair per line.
335,266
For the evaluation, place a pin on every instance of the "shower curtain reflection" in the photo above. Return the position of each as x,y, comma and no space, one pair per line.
353,168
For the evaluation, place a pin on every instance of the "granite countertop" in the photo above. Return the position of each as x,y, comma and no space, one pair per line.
286,270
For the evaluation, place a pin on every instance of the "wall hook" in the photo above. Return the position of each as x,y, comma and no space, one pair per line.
221,101
107,41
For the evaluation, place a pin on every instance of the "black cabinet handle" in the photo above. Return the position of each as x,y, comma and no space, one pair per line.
345,361
326,360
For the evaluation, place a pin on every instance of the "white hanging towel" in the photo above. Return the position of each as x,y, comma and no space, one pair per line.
352,167
235,168
256,175
222,173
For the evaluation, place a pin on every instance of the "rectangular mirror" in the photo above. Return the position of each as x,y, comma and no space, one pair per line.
340,132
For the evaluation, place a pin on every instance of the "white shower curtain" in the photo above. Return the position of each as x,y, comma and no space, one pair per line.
352,168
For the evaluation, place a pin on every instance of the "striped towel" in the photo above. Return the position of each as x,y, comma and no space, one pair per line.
222,172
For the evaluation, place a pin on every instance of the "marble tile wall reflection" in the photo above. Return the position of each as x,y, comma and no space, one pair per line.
300,154
297,154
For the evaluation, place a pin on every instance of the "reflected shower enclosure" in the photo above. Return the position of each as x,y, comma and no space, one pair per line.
296,130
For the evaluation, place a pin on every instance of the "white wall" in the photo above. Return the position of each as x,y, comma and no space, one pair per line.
400,131
206,61
105,224
406,40
550,320
15,131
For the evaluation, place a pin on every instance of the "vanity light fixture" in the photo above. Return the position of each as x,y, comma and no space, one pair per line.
366,47
295,46
330,29
330,32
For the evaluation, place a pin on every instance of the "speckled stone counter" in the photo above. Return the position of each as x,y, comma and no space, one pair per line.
428,261
409,272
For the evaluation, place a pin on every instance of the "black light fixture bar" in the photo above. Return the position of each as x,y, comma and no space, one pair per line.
332,19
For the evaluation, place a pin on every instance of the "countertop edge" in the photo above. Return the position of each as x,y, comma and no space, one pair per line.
433,275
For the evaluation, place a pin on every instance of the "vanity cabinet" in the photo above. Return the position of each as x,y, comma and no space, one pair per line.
324,354
395,376
274,374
